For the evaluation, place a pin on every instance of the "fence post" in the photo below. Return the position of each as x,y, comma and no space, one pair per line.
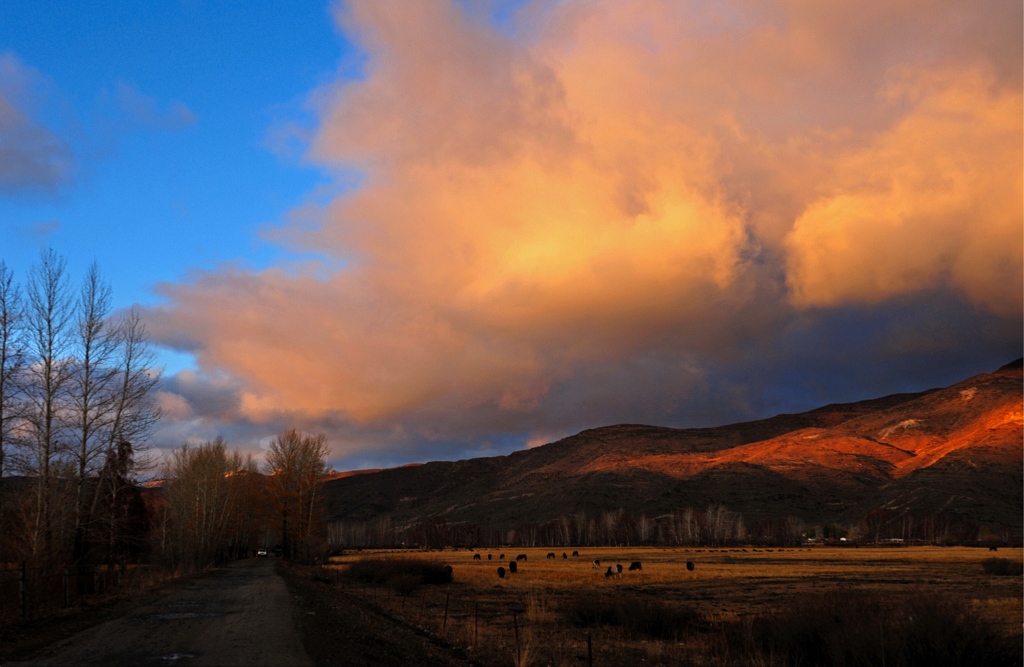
67,591
23,591
515,623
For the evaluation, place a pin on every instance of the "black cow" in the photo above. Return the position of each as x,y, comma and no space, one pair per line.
575,554
512,567
690,565
501,557
618,569
551,555
488,556
521,557
564,557
476,556
501,573
635,565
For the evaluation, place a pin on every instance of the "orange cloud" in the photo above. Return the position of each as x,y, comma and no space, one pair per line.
935,200
619,186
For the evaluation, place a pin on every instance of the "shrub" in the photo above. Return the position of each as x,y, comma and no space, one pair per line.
404,584
640,615
403,574
1003,567
864,628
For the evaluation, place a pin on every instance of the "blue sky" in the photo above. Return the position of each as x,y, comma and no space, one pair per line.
443,228
171,113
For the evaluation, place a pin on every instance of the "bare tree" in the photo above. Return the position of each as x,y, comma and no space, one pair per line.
12,357
90,397
134,411
49,317
208,494
129,410
296,464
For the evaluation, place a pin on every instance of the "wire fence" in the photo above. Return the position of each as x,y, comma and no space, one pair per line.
486,629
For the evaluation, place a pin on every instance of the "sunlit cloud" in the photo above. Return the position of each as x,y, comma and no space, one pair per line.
607,211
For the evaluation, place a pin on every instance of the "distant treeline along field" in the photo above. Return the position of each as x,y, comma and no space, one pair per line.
711,526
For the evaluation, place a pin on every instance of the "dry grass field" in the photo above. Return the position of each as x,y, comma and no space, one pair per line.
548,601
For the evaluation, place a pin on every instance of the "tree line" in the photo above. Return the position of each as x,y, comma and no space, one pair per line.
76,402
77,405
714,525
215,505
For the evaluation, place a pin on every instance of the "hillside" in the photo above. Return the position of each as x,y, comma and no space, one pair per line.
956,450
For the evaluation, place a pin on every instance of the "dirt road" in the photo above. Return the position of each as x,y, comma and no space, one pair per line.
238,615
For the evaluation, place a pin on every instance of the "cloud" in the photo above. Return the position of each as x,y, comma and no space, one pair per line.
36,153
32,157
619,212
933,201
38,232
142,110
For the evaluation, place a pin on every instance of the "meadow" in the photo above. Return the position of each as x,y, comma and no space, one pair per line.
721,612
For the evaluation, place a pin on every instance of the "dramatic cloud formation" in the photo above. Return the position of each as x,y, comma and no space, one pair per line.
618,211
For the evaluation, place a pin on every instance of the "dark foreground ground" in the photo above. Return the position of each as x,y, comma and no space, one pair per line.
340,629
255,612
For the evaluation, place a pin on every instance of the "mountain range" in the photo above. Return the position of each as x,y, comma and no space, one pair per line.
956,451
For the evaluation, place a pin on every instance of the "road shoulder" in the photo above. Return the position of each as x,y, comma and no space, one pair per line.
338,629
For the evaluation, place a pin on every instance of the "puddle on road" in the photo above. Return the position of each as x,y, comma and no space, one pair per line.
178,615
173,658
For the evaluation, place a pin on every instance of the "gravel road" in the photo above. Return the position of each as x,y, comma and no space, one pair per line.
238,615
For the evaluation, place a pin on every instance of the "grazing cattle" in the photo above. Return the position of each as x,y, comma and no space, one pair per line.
551,555
501,557
564,557
448,569
596,565
575,554
521,557
476,556
618,568
512,567
612,571
488,556
993,548
501,573
689,565
635,565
